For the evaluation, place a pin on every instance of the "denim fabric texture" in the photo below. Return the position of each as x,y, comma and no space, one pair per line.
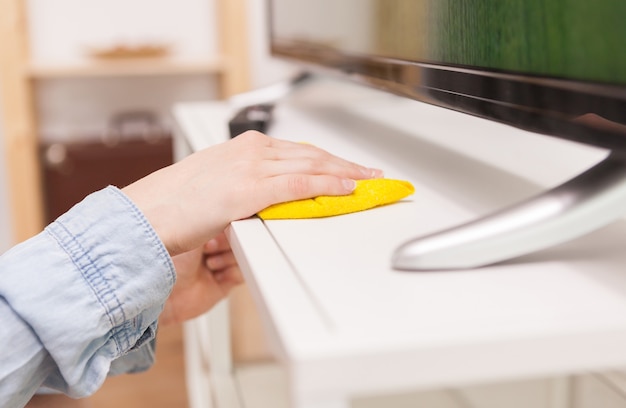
81,300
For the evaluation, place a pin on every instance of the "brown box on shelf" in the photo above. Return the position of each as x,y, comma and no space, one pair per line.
73,170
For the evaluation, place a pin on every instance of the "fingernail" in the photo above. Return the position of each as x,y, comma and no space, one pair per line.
219,276
211,245
377,173
349,184
214,262
372,173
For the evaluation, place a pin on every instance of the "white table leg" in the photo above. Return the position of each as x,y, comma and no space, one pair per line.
196,370
209,360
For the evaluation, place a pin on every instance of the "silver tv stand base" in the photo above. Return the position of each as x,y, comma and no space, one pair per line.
585,203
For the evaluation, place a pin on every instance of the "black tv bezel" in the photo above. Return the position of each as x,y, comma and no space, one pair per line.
587,112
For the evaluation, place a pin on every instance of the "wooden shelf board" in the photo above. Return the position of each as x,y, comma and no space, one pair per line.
128,67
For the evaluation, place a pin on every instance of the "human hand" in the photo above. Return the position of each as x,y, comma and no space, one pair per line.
193,200
204,277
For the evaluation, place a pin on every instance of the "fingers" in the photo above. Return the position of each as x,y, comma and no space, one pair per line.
228,278
216,245
292,171
222,260
301,158
321,166
297,187
308,159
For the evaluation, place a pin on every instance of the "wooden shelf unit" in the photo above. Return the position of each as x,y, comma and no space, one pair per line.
18,76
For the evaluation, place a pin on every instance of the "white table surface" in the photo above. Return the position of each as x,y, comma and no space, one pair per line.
345,323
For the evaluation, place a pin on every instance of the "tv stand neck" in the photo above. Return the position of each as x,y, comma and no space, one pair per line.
583,204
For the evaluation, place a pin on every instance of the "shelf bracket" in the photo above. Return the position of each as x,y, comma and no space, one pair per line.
583,204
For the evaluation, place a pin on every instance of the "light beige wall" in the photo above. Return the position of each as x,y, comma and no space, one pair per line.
264,69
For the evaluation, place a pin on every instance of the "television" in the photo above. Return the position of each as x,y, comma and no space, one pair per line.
552,66
555,67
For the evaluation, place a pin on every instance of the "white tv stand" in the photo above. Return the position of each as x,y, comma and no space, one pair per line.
344,323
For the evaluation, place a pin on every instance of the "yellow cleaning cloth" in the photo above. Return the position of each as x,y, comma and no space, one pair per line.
368,194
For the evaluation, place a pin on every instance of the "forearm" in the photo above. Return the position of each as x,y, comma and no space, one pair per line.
80,295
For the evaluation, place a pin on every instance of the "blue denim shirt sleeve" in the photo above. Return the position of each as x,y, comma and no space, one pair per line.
81,299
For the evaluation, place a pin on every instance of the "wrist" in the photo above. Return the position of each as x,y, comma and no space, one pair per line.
167,316
159,214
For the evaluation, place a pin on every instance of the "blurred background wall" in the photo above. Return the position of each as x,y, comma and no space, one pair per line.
79,108
63,31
